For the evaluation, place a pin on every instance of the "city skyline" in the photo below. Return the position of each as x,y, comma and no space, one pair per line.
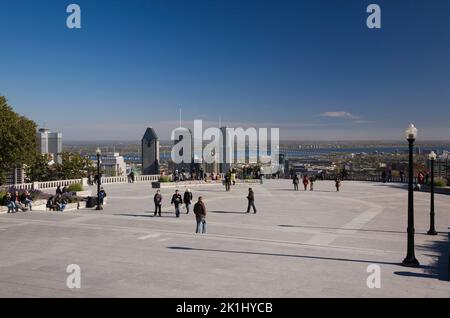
311,68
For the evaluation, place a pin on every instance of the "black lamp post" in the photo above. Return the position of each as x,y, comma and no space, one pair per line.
99,180
410,260
432,230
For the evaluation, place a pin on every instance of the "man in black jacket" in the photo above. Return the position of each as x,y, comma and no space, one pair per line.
157,199
251,200
187,199
176,201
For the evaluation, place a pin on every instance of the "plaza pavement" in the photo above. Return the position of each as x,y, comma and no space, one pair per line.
299,244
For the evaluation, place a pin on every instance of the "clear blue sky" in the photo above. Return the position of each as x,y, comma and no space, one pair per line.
312,67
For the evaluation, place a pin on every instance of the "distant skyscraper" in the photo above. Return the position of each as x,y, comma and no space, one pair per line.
150,152
49,143
225,165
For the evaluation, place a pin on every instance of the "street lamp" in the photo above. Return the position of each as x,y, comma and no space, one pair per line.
410,260
432,231
99,180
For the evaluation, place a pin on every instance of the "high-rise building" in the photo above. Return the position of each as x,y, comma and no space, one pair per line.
113,164
225,152
49,143
150,152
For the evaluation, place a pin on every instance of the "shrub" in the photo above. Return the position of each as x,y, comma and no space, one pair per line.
164,179
2,195
440,182
76,187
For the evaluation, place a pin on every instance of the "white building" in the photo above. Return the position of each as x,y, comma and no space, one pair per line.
49,143
113,164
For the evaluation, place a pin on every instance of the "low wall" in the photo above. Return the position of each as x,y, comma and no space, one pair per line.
83,181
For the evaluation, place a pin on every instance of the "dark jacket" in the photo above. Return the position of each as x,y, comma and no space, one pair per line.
295,180
177,200
157,199
200,209
251,196
7,200
187,198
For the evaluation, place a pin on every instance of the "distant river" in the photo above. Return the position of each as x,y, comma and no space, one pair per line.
320,151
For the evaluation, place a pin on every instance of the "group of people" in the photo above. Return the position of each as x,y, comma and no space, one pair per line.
311,180
178,200
199,207
229,179
15,202
56,202
62,191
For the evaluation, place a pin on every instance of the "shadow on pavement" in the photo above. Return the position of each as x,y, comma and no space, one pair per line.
185,248
343,229
171,214
438,249
227,212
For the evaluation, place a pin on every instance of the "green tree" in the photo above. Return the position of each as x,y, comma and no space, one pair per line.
74,166
17,139
39,169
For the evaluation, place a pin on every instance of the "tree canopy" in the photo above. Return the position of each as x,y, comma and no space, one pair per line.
17,139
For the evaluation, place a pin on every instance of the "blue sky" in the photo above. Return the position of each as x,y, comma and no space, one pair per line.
311,68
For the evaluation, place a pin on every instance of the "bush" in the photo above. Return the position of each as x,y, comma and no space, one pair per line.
76,187
164,179
440,182
2,195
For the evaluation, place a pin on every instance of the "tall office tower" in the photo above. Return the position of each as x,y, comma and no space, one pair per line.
49,143
224,162
150,152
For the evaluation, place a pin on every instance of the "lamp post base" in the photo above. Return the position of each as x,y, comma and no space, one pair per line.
432,232
410,262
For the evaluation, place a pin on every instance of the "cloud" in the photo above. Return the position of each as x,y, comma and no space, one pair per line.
345,115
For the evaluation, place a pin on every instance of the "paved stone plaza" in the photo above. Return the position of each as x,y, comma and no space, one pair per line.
299,244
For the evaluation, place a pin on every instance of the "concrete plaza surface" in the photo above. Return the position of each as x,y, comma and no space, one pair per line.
299,244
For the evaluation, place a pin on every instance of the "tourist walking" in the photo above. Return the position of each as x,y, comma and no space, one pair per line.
295,181
58,190
251,200
233,177
157,199
305,182
227,182
200,215
176,201
102,196
338,184
187,199
311,183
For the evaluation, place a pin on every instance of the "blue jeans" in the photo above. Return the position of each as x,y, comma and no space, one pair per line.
251,204
201,225
28,204
61,207
12,207
177,211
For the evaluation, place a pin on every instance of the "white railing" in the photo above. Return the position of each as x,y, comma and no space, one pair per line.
152,177
62,183
23,186
55,184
